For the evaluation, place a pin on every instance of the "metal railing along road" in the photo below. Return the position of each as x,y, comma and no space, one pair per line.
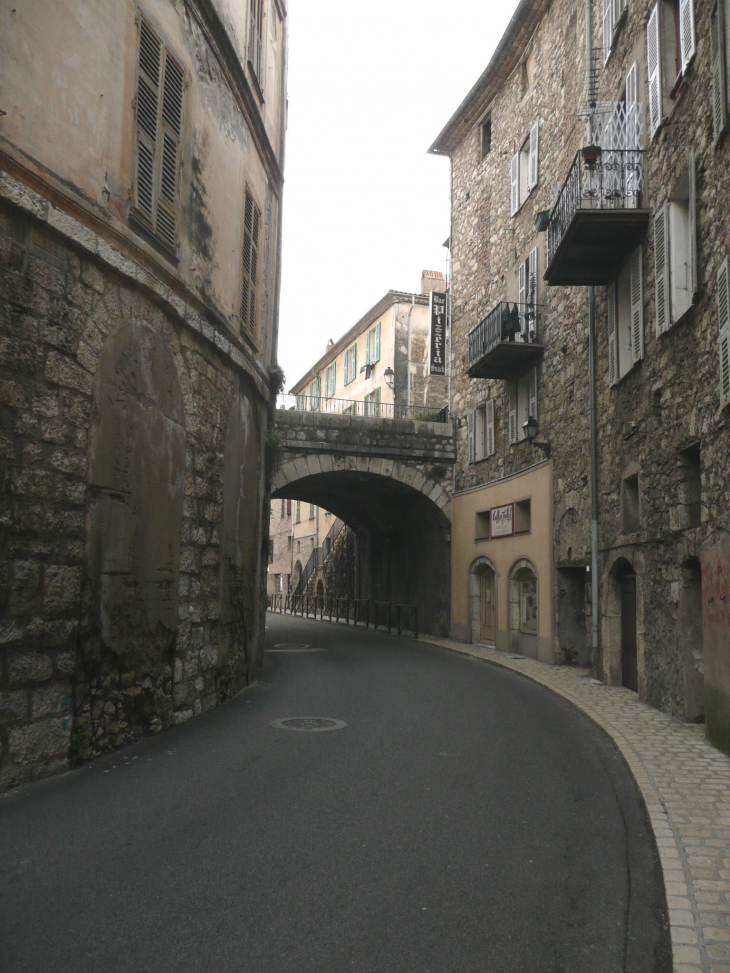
354,407
601,179
506,321
357,611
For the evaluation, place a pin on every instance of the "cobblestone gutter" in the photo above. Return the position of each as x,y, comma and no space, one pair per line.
685,783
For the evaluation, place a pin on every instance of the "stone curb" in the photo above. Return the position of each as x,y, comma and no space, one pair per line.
685,783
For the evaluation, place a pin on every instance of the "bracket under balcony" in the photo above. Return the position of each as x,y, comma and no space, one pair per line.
505,345
598,219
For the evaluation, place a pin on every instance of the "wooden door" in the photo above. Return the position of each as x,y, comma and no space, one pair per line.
489,618
629,661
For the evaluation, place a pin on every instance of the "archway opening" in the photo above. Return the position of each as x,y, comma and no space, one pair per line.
402,550
691,640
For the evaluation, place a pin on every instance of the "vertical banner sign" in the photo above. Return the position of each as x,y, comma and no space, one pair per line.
437,361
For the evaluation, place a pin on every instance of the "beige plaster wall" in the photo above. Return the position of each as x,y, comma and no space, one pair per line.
504,552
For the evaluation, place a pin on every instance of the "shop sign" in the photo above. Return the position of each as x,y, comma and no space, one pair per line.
502,521
437,359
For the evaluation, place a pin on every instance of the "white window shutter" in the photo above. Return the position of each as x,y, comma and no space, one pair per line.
654,71
637,305
661,268
687,41
534,170
723,316
693,276
608,25
633,120
612,343
480,447
718,84
471,439
490,430
513,413
522,285
514,175
532,394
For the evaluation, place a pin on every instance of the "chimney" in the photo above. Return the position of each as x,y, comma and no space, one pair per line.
432,280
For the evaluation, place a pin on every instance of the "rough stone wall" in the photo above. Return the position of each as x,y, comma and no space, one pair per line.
131,542
339,568
488,243
667,402
280,532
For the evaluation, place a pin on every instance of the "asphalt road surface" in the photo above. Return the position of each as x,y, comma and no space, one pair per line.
465,820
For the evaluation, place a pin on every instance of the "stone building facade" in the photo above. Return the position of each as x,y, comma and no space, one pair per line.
140,188
280,547
545,207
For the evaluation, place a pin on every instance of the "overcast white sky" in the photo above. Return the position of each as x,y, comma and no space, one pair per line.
365,207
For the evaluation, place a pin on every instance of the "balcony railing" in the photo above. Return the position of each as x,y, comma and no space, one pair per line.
598,216
506,342
367,408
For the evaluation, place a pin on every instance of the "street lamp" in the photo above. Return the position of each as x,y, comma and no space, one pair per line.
389,376
530,430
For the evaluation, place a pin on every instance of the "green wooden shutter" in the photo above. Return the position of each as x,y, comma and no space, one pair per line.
723,317
377,342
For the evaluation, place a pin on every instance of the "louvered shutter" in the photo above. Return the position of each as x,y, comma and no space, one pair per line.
490,436
334,378
249,294
687,40
377,342
612,340
367,347
718,89
346,368
693,275
661,268
514,175
534,165
608,25
654,71
532,277
723,316
470,436
513,413
353,363
637,305
147,118
255,43
480,432
172,106
532,394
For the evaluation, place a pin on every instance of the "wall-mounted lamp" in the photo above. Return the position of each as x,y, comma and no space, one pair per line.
389,376
542,220
530,429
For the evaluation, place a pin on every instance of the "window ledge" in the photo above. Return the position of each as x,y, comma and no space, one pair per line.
683,317
626,374
140,225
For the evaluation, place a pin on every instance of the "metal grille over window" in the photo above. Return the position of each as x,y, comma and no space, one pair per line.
251,229
159,115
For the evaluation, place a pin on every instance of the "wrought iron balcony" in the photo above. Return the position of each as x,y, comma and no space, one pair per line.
505,344
599,217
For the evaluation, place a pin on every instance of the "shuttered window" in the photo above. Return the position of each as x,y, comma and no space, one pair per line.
514,175
250,284
718,83
471,421
525,169
490,436
512,412
723,317
330,380
482,432
158,118
636,286
654,71
372,345
534,159
256,39
608,25
350,365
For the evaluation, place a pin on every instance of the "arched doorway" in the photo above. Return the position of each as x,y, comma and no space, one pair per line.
623,637
523,608
483,598
691,639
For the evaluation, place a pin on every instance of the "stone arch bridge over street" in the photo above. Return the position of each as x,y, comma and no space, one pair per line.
390,480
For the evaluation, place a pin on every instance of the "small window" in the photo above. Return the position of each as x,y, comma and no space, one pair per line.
670,46
250,286
612,13
372,345
630,519
481,432
675,252
330,380
350,365
481,525
522,404
524,170
314,394
625,314
522,517
311,511
158,129
690,487
372,403
486,137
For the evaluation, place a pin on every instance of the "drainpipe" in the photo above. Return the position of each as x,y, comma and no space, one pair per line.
594,471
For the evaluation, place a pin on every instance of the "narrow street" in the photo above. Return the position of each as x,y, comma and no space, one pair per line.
464,820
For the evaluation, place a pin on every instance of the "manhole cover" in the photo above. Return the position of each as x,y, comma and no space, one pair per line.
308,723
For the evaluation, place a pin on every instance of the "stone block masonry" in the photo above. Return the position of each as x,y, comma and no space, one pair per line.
130,572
